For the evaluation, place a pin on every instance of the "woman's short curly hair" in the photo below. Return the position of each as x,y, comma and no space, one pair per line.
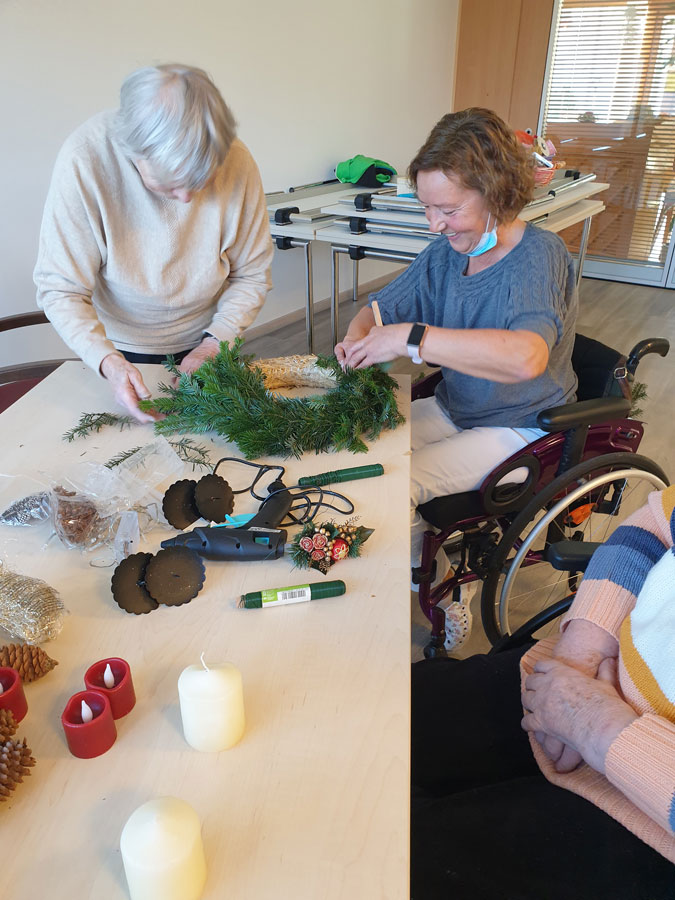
480,149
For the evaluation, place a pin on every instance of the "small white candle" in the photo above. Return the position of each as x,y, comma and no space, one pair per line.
108,677
86,713
211,706
162,851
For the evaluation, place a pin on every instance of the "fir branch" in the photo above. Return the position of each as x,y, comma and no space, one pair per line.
121,457
185,448
638,391
94,422
190,452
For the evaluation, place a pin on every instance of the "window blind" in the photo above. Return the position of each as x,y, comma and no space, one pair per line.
610,109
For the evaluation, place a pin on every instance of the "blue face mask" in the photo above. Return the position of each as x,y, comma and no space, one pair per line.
486,241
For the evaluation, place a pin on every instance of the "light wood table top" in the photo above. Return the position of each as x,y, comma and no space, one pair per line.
314,801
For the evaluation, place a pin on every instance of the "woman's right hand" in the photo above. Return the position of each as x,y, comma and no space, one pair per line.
127,385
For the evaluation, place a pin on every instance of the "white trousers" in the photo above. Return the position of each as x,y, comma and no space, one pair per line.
450,460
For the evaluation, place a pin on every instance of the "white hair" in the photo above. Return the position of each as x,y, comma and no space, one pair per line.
174,117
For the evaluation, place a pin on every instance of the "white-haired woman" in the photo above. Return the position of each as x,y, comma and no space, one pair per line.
155,238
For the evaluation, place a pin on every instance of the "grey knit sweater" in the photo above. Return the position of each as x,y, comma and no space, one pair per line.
532,288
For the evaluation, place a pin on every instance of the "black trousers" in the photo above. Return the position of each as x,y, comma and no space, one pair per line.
486,824
157,359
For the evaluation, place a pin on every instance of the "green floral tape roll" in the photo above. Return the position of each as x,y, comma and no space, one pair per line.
297,593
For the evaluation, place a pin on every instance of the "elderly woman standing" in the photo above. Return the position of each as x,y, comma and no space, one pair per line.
155,237
492,301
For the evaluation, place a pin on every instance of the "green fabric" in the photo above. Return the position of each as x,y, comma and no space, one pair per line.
351,170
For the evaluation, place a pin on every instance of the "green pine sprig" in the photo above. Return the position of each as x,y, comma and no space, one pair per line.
94,422
638,395
185,448
121,457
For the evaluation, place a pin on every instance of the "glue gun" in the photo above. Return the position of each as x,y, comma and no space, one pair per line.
259,539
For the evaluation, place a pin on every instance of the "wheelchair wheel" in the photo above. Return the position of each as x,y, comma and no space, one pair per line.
586,503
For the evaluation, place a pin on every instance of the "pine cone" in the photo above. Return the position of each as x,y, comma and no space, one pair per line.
29,661
15,762
7,725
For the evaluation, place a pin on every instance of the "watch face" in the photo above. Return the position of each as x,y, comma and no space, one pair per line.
416,333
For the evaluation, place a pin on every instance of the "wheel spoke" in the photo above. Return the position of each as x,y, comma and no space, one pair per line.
587,507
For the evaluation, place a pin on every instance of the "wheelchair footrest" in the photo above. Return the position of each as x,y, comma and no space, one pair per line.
571,556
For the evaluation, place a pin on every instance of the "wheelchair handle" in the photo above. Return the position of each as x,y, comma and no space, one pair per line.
649,345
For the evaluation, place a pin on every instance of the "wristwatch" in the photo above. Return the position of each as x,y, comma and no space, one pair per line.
415,339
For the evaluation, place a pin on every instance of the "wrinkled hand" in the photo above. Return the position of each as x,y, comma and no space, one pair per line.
127,385
205,350
585,714
382,344
583,646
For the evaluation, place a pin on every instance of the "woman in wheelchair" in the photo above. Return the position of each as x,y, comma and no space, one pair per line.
583,806
492,301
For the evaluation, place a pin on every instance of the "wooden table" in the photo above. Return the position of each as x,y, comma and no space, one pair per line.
313,803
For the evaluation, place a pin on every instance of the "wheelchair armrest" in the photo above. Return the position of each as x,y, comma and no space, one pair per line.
571,556
585,412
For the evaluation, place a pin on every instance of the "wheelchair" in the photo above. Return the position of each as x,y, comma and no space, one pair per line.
528,543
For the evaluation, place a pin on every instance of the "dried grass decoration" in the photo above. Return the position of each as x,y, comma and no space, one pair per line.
229,394
29,608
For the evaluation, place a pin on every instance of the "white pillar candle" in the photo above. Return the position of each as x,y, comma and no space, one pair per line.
162,851
211,706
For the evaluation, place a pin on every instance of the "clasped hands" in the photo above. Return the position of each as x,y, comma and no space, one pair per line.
127,382
571,702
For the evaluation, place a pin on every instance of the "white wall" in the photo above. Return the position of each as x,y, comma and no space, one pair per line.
310,82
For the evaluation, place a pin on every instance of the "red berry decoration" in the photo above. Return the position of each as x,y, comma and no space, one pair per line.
319,541
340,549
317,554
307,544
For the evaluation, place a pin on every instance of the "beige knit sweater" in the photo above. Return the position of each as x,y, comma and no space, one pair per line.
122,267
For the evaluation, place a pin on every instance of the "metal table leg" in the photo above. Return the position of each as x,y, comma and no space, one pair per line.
334,295
309,290
368,253
355,280
287,243
583,244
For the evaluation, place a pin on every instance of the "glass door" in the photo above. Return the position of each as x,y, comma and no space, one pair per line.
609,108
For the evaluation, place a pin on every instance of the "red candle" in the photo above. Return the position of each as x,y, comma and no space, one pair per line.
12,695
117,685
88,739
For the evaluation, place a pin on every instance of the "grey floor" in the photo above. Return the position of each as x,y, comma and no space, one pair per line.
617,314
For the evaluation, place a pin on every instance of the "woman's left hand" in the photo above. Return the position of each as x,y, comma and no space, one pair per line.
205,350
383,343
586,714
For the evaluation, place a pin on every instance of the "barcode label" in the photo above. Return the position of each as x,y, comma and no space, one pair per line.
296,594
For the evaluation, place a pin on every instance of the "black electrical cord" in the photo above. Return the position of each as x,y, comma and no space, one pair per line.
302,499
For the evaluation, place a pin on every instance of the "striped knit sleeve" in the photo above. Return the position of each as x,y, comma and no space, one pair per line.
617,571
641,764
